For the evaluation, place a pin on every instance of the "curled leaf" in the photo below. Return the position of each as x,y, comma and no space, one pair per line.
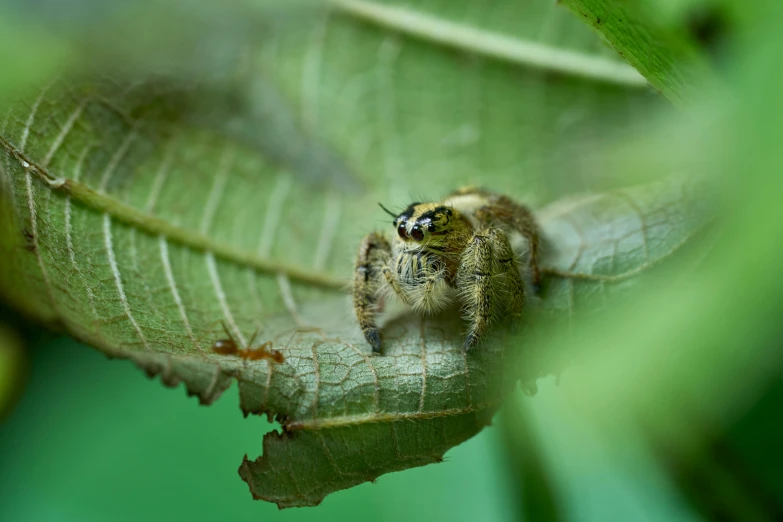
137,224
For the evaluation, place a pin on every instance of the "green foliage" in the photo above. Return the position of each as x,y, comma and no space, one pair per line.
138,212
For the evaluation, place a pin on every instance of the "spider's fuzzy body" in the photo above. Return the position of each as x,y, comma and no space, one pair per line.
457,247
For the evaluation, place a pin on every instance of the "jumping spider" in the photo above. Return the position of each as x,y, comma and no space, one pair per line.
461,243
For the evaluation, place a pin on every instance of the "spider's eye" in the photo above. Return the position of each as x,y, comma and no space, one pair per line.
431,227
401,231
417,233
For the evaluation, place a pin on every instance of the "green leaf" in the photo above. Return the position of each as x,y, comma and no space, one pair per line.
138,214
662,51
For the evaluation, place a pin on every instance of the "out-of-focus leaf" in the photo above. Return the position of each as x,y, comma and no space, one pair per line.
534,490
689,355
661,51
136,225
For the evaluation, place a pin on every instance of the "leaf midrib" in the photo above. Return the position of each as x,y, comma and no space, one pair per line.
490,44
158,227
340,421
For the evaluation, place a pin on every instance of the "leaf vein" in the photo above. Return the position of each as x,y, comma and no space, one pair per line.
214,277
328,230
114,161
274,210
36,242
328,453
160,178
166,261
31,119
288,297
69,245
311,75
115,270
210,389
67,126
642,224
423,344
317,372
377,391
387,107
218,187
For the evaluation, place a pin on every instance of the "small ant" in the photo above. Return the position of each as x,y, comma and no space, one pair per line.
229,347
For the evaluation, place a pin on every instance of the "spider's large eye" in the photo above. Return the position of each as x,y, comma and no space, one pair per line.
402,231
417,233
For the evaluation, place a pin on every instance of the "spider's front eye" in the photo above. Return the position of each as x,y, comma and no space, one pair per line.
417,233
402,231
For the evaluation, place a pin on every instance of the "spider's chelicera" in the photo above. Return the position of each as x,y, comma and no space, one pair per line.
461,243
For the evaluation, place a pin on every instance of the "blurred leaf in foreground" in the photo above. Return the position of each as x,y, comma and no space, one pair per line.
693,352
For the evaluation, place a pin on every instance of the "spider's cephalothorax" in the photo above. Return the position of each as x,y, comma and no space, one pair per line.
461,243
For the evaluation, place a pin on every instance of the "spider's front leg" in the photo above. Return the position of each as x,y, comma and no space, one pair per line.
488,255
374,253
